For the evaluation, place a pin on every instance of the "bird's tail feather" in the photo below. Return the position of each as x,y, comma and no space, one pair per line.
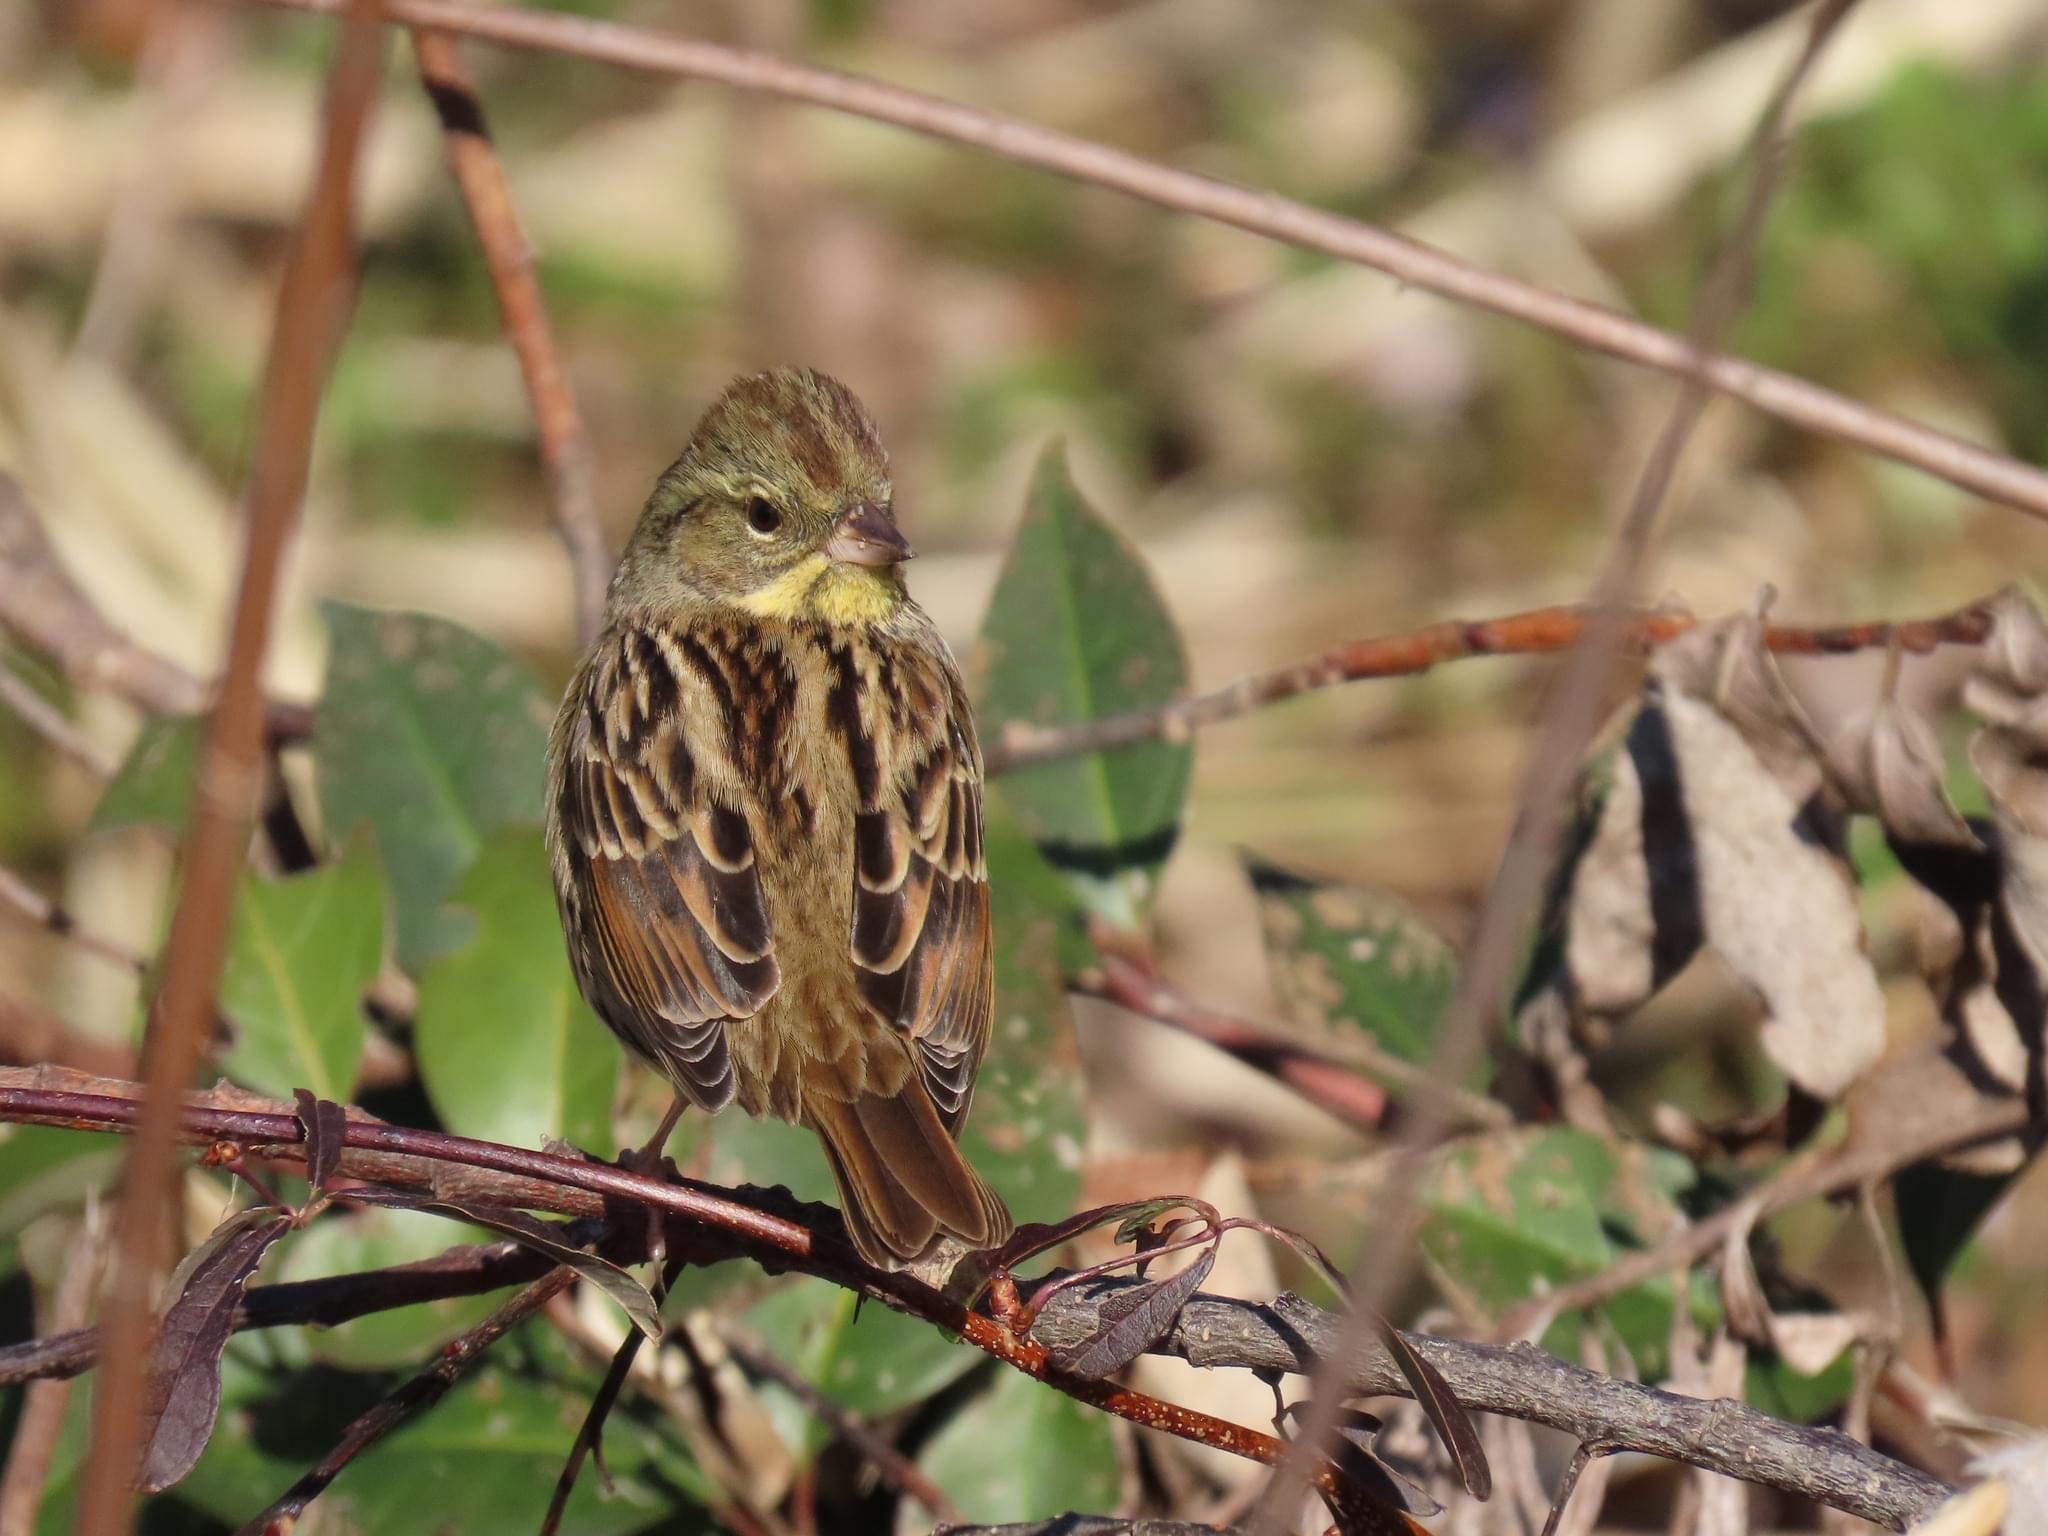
902,1181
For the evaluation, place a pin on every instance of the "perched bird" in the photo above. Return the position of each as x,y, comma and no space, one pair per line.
764,813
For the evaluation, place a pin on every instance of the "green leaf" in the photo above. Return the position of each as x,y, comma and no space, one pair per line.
867,1358
302,953
1024,1451
435,737
507,1048
485,1458
1513,1215
349,1241
1074,632
1348,961
153,786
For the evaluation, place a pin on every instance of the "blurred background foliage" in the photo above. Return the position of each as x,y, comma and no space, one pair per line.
1265,453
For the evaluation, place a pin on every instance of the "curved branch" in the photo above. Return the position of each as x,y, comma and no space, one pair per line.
1798,401
779,1233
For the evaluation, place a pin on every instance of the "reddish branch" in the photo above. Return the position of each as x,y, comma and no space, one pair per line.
1411,263
1341,1083
564,449
312,305
1540,631
774,1240
768,1228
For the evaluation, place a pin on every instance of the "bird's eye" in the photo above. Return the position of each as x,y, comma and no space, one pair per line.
762,516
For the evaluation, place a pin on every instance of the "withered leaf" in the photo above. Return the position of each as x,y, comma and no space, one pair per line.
1446,1414
633,1298
1888,763
182,1394
326,1124
1133,1320
1715,831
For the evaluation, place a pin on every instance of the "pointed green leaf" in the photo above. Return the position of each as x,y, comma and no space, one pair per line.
507,1048
153,786
1074,632
302,953
435,737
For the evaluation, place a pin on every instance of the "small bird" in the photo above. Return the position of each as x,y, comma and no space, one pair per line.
764,814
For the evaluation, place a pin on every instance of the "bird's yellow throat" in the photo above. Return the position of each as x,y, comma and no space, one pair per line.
819,587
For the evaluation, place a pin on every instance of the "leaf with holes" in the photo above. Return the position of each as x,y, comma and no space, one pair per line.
507,1048
1347,962
302,953
435,737
1512,1215
1077,631
182,1396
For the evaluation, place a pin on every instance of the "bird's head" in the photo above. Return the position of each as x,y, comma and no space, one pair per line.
781,505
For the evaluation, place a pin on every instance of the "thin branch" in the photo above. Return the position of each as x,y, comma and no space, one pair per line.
313,300
1996,476
1330,1078
451,1363
1538,631
780,1234
52,724
896,1469
564,447
46,914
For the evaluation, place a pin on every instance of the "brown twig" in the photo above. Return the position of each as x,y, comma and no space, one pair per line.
896,1469
1517,1380
1411,263
42,1409
51,723
451,1363
1328,1078
1538,631
312,301
1567,731
564,447
46,914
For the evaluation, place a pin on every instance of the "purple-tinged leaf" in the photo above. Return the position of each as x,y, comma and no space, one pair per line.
633,1298
1358,1461
326,1124
182,1395
1132,1321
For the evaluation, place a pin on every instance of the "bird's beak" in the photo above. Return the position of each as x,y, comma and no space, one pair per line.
867,535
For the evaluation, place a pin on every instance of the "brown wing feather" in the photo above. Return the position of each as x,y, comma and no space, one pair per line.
657,881
921,944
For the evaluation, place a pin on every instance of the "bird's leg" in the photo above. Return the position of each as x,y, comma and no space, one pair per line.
647,1163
